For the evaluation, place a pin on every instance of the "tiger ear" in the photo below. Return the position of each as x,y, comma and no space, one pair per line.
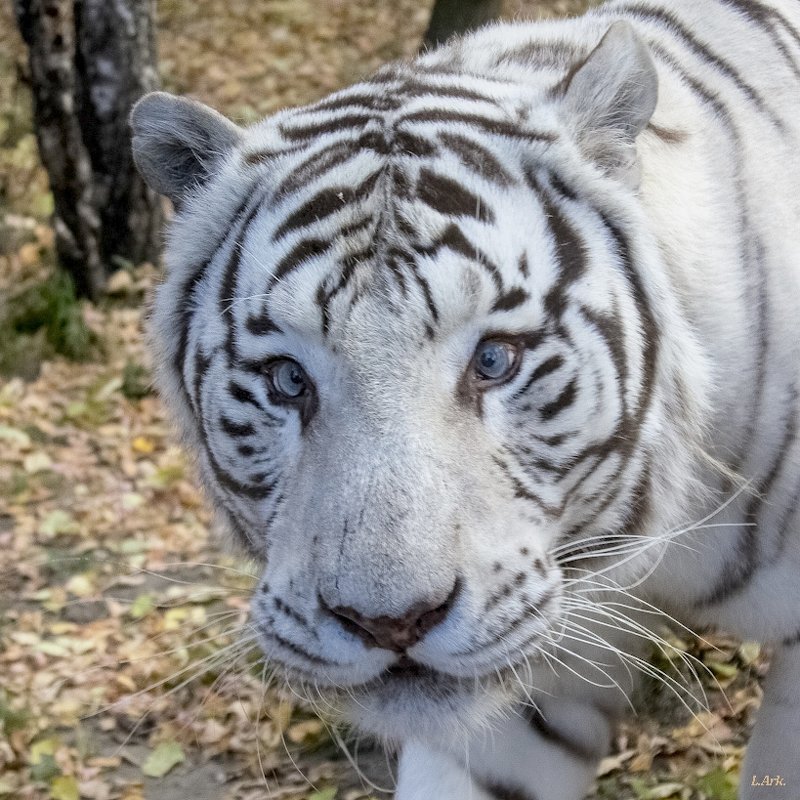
610,98
179,144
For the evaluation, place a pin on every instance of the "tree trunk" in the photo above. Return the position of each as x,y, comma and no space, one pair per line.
90,61
450,17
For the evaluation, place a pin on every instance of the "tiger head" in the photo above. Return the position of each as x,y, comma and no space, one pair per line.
415,334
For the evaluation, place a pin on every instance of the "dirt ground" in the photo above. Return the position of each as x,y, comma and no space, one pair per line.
125,668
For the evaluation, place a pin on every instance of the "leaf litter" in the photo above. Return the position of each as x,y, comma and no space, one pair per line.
126,669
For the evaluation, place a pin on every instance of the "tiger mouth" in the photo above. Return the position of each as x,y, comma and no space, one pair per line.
407,669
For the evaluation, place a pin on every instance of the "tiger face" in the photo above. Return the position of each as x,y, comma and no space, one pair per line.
407,332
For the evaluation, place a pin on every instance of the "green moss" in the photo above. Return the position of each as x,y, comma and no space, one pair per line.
40,322
136,381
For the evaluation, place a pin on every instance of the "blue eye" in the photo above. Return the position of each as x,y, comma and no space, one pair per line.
495,361
288,379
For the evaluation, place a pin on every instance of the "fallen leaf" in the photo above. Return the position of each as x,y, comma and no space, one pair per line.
141,444
718,785
14,436
65,787
37,462
58,522
324,794
166,756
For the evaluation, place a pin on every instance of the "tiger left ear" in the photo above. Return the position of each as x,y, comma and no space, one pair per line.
609,99
179,144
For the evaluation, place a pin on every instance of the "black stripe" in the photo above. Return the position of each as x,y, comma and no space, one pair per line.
243,395
358,99
357,226
564,400
312,130
703,51
522,492
238,528
543,53
639,505
397,271
285,608
230,278
495,127
650,330
510,300
261,324
315,165
767,18
425,288
304,250
300,651
610,329
667,135
187,298
502,792
454,239
224,478
418,88
325,203
477,158
410,144
547,367
537,464
579,750
447,196
349,263
236,429
570,248
791,641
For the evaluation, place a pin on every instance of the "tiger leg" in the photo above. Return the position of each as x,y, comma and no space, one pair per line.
425,774
547,754
771,769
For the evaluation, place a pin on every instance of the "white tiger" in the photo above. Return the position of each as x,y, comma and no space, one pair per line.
473,354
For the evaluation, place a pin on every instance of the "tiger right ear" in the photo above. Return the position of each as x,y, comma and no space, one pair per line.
610,98
179,144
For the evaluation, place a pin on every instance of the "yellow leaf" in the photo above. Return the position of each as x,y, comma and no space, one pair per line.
44,747
28,254
65,787
174,618
141,444
308,729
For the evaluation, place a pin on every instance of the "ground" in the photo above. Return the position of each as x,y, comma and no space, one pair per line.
124,671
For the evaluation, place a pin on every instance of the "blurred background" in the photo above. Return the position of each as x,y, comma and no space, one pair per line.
123,671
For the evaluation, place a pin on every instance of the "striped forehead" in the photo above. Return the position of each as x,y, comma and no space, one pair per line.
423,204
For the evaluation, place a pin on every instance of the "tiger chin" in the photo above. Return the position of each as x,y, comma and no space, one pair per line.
492,361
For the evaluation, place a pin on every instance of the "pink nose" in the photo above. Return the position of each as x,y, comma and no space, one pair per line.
395,633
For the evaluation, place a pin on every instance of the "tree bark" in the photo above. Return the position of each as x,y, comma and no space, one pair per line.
451,17
90,61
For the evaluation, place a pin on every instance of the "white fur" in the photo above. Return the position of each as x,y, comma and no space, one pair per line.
394,491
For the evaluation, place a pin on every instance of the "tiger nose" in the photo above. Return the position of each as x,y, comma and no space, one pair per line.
395,633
